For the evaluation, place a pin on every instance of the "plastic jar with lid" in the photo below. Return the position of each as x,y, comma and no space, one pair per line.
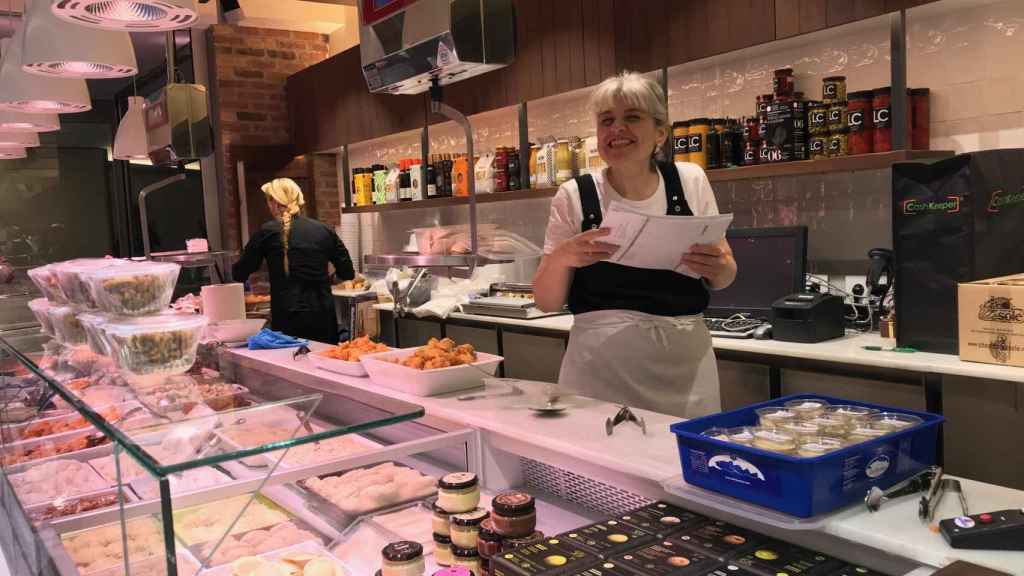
458,492
860,139
489,540
837,116
894,421
774,440
465,528
773,416
403,559
833,88
697,147
814,446
817,118
467,558
852,414
442,550
881,110
563,162
681,141
515,514
441,520
807,408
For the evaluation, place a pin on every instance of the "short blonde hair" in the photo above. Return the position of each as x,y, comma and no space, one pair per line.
634,89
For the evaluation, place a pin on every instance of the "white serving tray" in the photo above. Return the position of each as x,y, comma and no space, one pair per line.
428,382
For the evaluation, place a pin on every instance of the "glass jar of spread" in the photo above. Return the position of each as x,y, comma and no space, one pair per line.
441,520
403,559
837,144
467,558
817,145
920,112
817,118
698,134
442,550
837,116
681,141
458,492
465,528
515,514
881,111
860,139
784,83
833,88
489,540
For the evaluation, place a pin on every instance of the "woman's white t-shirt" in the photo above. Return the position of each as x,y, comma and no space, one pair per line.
566,218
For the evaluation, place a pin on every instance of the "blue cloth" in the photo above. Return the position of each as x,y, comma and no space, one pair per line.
267,339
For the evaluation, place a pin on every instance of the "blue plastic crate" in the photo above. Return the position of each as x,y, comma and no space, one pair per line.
802,487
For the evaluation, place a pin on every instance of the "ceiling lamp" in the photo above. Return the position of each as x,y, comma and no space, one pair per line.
19,139
34,94
129,15
20,122
12,153
79,53
131,142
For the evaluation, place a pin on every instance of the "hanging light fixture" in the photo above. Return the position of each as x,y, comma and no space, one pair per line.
79,53
133,15
34,94
131,142
12,153
21,122
19,139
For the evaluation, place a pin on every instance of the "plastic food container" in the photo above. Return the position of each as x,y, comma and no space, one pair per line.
66,327
807,409
803,486
94,335
894,421
134,289
70,275
775,416
164,344
428,382
853,415
40,308
45,278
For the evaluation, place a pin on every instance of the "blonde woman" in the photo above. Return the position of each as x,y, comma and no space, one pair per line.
638,337
297,250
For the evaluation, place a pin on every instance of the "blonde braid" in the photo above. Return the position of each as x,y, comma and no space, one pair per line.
286,225
287,193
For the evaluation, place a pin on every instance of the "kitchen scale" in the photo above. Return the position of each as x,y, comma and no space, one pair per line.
508,300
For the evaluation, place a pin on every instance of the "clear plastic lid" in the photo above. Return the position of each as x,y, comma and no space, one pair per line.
69,274
66,326
125,327
45,278
894,421
162,344
134,268
133,290
40,308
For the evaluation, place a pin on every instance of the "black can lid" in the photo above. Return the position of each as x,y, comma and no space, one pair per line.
834,79
513,503
883,91
681,124
402,551
465,552
442,539
860,95
920,91
473,518
488,532
458,481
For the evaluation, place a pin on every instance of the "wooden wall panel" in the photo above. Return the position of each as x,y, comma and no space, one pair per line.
787,18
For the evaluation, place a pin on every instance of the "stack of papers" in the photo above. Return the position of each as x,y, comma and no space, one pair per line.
659,242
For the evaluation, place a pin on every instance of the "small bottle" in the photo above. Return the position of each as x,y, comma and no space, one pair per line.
513,169
432,179
446,169
404,184
416,179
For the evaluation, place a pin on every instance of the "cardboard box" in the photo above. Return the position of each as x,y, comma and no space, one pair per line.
663,519
666,558
607,538
991,320
549,557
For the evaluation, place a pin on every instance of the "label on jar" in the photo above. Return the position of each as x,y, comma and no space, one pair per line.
817,119
882,117
750,156
856,120
817,146
664,559
696,145
764,155
762,129
681,144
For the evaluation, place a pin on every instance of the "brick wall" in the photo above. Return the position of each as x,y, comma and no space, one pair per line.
326,187
248,69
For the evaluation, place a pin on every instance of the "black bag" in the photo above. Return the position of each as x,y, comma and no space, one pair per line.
956,220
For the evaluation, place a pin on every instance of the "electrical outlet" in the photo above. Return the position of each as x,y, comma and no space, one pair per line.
850,281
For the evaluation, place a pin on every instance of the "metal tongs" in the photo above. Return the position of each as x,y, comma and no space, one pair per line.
624,415
913,485
930,503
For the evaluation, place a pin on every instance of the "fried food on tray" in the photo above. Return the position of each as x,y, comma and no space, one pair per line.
351,351
436,354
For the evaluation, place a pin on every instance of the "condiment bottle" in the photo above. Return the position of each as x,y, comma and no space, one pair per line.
403,559
431,179
460,178
514,182
404,182
447,165
713,144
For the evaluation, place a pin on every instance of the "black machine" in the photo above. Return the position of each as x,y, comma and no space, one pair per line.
808,317
772,262
1003,530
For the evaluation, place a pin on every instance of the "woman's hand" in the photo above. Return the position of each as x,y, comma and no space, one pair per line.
714,262
584,249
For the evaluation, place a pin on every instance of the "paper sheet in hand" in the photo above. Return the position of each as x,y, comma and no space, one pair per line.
659,242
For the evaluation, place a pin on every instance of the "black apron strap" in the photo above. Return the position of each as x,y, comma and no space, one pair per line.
589,202
676,197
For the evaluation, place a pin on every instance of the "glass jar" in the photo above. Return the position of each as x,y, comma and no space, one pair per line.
442,550
488,542
465,528
680,142
458,492
818,146
403,559
881,111
817,118
837,144
467,558
784,83
441,520
860,139
920,112
807,408
833,88
563,162
515,514
837,116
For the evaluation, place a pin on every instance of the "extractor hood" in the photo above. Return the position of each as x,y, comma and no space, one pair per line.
178,125
405,43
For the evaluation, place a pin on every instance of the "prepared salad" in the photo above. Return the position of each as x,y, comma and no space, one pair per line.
135,289
156,344
70,275
66,327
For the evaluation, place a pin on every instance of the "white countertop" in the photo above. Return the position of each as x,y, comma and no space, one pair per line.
580,434
846,350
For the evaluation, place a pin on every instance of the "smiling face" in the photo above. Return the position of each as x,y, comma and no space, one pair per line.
627,134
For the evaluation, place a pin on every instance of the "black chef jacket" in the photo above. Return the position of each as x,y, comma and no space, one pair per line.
301,303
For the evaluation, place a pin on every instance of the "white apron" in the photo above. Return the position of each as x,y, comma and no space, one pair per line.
659,363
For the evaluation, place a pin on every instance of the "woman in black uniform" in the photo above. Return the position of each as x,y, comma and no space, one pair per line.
297,250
